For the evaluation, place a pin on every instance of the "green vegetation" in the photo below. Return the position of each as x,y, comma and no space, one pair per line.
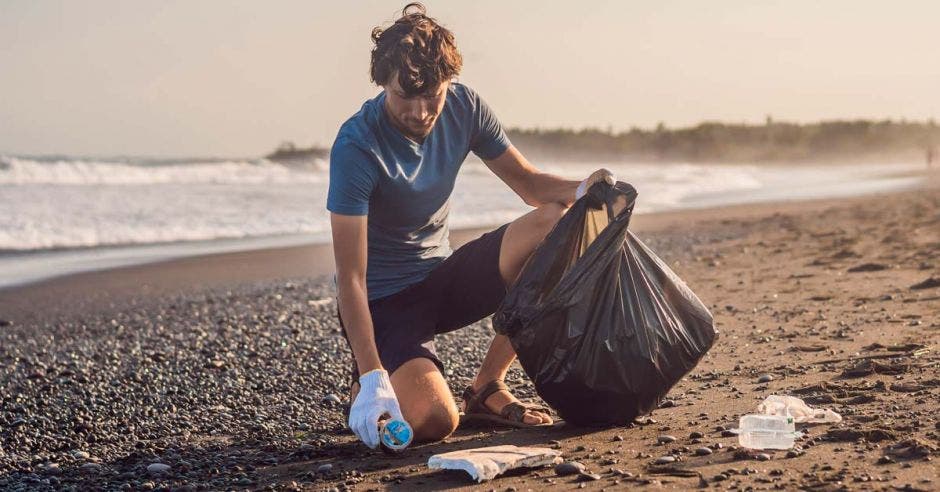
710,142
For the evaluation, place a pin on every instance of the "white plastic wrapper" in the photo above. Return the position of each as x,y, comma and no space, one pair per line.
486,463
791,406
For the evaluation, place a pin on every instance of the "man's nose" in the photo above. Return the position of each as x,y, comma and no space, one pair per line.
420,111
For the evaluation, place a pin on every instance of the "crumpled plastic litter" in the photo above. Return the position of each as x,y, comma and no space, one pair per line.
486,463
791,406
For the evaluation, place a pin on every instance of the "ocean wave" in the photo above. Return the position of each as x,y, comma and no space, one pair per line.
148,202
70,171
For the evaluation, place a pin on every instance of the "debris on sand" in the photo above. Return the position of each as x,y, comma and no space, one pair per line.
868,367
868,267
905,387
927,284
906,347
816,347
911,448
853,434
486,463
791,406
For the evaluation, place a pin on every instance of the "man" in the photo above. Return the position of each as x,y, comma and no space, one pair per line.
392,171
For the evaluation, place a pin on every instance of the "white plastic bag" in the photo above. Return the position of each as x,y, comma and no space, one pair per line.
790,406
486,463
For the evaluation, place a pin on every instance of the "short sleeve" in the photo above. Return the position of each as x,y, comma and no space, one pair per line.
353,176
489,141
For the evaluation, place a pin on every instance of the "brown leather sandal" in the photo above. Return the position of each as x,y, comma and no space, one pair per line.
511,414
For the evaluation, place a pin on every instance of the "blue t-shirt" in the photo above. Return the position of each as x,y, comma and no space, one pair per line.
405,187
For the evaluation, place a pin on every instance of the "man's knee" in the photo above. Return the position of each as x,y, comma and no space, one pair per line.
437,422
425,399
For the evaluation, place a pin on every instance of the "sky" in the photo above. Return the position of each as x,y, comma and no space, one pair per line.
236,78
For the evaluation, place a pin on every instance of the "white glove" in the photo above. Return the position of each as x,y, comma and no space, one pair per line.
376,397
595,177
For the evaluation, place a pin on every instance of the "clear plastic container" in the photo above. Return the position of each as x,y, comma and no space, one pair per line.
766,432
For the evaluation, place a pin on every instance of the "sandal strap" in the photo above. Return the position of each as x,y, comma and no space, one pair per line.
515,411
476,402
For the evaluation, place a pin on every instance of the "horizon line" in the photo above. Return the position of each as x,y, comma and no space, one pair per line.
930,121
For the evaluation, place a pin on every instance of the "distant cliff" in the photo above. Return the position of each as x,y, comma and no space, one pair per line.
287,151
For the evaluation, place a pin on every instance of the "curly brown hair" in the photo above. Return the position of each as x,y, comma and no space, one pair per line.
422,52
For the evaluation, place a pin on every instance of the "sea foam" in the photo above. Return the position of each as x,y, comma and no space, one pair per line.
69,202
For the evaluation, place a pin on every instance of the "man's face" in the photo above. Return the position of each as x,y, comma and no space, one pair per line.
414,116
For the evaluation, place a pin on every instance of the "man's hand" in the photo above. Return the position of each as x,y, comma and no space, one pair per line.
376,398
595,177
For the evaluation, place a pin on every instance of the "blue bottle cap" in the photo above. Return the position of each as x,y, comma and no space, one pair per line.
395,434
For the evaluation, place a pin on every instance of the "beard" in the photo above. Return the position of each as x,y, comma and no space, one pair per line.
416,129
413,129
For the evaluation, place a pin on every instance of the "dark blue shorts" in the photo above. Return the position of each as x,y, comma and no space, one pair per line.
463,289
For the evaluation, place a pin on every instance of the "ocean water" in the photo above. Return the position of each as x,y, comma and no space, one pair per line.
78,213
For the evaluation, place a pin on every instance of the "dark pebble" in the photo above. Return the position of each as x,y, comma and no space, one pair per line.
703,451
568,468
766,378
157,468
332,399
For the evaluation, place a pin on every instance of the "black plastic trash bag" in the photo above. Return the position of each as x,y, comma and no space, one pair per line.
602,326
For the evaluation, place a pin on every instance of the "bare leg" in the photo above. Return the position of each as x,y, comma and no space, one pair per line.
519,241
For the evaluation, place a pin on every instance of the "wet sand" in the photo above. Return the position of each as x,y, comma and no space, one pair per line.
222,366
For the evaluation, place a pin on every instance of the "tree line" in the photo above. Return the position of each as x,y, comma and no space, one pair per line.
714,141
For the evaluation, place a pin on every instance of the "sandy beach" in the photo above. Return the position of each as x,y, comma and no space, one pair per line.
230,369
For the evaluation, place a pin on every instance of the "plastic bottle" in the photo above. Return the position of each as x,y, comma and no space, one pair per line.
394,435
766,432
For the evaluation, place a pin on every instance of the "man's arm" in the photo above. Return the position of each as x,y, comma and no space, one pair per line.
350,248
376,396
535,187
